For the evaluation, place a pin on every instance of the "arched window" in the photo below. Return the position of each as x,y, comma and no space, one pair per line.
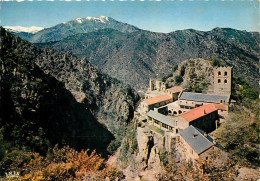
225,73
225,81
180,111
219,73
219,81
174,112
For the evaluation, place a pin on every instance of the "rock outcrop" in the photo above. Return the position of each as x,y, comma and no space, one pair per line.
59,97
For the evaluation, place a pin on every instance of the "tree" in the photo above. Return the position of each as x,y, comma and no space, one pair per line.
178,79
217,62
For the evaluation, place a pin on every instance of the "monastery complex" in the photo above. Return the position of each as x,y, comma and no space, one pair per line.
188,117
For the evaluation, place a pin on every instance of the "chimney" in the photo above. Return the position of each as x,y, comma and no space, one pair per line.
205,134
204,111
194,135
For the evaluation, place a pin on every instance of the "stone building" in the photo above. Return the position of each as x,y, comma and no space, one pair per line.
157,85
222,81
174,92
155,102
196,144
203,117
190,100
161,120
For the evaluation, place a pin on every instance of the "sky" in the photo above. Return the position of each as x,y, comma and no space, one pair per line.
153,15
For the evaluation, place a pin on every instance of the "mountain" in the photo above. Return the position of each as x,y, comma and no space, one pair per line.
23,32
19,29
78,25
137,56
48,97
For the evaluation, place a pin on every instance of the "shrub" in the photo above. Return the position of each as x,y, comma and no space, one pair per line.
217,62
178,79
174,68
182,71
68,164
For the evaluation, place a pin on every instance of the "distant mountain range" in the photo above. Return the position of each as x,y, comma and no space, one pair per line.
134,55
20,29
78,25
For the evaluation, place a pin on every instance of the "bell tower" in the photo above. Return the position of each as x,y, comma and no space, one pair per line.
222,80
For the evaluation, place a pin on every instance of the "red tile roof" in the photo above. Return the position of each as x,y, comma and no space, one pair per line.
175,89
221,107
158,99
198,112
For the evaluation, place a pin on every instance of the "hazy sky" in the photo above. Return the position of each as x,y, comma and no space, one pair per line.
162,16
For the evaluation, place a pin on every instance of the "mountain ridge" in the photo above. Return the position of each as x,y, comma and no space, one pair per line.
144,54
56,92
75,26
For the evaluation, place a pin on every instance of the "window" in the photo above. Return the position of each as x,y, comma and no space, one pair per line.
225,81
219,80
219,73
225,73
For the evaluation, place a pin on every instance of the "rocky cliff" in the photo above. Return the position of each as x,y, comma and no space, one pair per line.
48,97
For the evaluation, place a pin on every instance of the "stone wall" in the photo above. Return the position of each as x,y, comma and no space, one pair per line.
207,123
222,80
181,123
186,151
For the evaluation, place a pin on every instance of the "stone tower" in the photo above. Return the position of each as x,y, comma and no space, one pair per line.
222,80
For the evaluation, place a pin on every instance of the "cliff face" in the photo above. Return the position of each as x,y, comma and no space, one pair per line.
137,56
48,97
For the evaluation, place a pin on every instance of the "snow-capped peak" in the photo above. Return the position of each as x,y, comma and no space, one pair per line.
102,19
79,20
17,29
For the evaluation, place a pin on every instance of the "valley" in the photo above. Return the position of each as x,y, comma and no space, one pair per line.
129,103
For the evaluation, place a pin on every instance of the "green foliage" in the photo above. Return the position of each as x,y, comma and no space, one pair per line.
217,62
243,141
182,71
114,145
178,79
34,105
129,145
174,68
166,77
198,87
192,73
164,158
243,92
